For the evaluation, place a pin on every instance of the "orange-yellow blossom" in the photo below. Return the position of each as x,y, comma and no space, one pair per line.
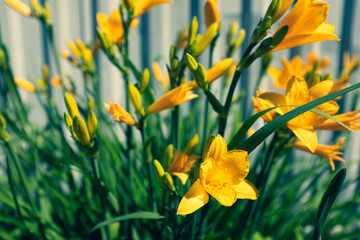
25,84
113,26
142,6
19,6
328,152
163,79
298,93
222,175
350,119
119,114
181,165
296,66
173,98
306,22
262,104
211,12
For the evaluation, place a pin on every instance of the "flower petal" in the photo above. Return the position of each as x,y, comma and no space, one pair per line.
183,176
194,199
217,148
246,190
237,165
307,136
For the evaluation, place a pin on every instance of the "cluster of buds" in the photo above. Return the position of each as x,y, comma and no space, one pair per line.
164,178
82,55
135,92
82,133
233,41
35,10
196,43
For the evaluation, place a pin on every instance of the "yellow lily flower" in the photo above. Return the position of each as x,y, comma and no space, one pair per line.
113,26
328,152
296,67
19,6
284,7
216,71
350,119
142,6
119,114
261,105
163,79
25,84
173,98
222,175
306,22
297,93
181,165
211,13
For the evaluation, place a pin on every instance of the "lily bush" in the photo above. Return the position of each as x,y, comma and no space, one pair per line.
183,164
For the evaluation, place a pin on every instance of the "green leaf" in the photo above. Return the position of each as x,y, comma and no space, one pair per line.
240,134
137,215
259,136
327,200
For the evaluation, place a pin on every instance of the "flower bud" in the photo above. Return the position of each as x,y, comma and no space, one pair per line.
191,145
47,14
68,120
169,155
211,13
19,6
104,41
80,44
3,64
144,80
233,29
173,51
240,38
207,144
261,30
191,63
88,59
158,170
193,30
200,77
81,131
4,136
168,182
135,98
71,105
92,124
38,9
46,72
2,122
206,40
75,50
273,9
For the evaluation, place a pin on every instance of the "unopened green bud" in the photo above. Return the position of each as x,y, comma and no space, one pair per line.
144,80
2,122
200,77
312,79
208,142
265,46
105,42
273,9
92,124
172,52
68,120
71,105
233,29
261,30
174,63
169,155
206,40
191,145
168,182
135,98
280,35
91,104
327,76
193,30
2,59
191,63
81,131
158,170
4,136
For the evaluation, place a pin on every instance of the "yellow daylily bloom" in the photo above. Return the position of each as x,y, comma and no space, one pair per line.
297,93
222,175
181,165
328,152
211,12
25,84
296,66
142,6
261,105
216,71
19,6
113,26
306,22
119,114
350,119
163,79
173,98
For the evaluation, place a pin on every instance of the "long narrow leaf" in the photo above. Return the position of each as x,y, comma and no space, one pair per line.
327,200
259,136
